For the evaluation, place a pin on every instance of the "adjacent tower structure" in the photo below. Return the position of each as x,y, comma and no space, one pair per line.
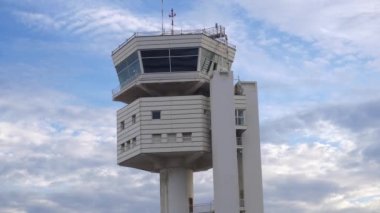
184,114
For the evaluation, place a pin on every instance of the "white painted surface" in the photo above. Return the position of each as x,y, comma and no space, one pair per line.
176,188
179,114
253,188
224,156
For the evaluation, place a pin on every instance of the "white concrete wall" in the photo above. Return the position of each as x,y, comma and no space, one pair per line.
253,188
224,156
179,114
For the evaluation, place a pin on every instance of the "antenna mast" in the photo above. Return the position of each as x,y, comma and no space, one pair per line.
172,15
162,16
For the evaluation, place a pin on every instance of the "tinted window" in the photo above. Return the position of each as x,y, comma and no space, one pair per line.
155,53
126,62
129,73
184,52
184,63
156,114
156,65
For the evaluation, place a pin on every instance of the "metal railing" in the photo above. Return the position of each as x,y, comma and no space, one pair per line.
211,32
126,82
204,208
209,207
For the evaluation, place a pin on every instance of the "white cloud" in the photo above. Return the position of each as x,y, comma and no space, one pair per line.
318,161
341,27
97,22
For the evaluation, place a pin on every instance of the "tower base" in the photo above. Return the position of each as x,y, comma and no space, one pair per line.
176,188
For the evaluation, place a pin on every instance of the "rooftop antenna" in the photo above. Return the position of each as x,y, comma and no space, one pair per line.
172,15
162,16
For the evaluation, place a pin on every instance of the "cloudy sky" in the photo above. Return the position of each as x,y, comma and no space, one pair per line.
317,63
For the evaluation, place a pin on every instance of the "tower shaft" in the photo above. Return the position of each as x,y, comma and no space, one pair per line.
176,190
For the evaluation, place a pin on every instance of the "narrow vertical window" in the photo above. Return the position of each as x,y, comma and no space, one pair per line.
122,147
128,144
186,137
156,114
239,140
122,125
133,141
133,119
215,66
239,116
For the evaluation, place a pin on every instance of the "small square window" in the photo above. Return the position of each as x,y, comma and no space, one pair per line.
156,138
186,137
172,137
156,114
122,125
133,119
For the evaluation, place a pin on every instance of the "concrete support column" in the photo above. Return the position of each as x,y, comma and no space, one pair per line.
176,189
253,188
224,155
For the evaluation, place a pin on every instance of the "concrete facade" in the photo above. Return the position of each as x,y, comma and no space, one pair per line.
224,155
184,114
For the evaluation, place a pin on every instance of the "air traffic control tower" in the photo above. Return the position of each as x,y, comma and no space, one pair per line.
184,114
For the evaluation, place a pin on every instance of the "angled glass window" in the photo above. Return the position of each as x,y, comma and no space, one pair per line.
170,60
152,65
207,59
128,69
126,62
184,63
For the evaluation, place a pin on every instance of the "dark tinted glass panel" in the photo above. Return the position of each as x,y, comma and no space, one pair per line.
154,53
126,62
156,114
156,65
129,73
183,52
184,63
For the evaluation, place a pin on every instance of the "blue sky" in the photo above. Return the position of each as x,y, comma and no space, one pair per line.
317,64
